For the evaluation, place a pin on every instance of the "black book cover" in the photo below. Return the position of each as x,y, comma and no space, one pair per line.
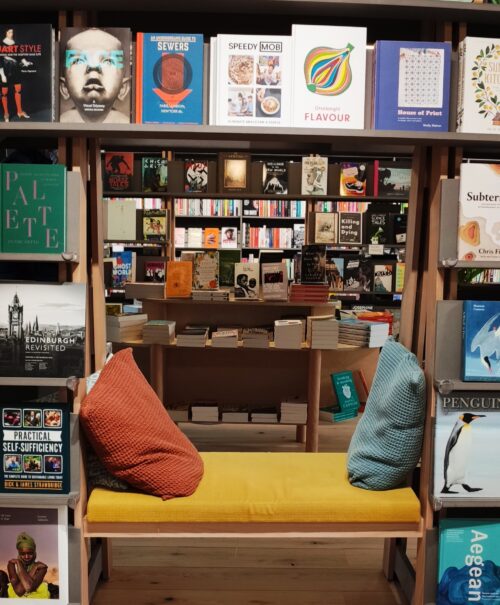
26,73
154,174
118,171
250,208
313,264
35,448
392,179
358,275
350,228
275,177
398,225
377,228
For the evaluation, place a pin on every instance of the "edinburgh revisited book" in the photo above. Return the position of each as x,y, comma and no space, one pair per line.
169,78
466,445
35,448
33,208
469,562
42,330
27,73
479,223
95,75
481,341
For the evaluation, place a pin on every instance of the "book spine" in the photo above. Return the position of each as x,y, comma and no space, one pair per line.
461,75
138,77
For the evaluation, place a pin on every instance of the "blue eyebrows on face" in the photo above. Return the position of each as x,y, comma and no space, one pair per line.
97,58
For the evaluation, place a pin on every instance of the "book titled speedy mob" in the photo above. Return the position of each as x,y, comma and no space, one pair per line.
169,78
412,85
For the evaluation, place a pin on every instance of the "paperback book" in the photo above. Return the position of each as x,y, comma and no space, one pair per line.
154,225
179,283
358,275
376,228
335,273
42,330
345,390
246,281
206,271
227,261
196,176
325,227
229,237
399,280
274,281
154,174
397,228
154,271
392,179
314,175
120,219
211,237
383,278
234,172
169,78
313,264
123,268
481,341
275,177
353,179
118,171
350,228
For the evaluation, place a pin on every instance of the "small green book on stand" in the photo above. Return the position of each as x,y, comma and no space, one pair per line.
33,208
345,390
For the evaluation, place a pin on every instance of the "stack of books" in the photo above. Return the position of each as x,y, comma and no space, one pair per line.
179,414
293,412
235,415
363,333
159,331
193,336
225,339
264,415
205,412
288,333
125,327
256,338
210,295
322,332
316,293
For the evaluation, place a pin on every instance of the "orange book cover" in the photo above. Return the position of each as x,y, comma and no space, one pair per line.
212,237
179,283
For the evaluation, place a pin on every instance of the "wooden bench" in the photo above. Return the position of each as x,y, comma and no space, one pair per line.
255,495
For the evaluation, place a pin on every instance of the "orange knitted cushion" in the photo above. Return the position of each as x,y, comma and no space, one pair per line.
134,436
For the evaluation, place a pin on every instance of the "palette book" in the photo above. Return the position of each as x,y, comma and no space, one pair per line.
481,341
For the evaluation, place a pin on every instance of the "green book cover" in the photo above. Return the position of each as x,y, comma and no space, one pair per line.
343,386
33,208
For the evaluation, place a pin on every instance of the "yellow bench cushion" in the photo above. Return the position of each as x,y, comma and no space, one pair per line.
263,487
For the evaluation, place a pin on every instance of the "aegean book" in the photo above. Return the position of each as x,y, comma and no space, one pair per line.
481,341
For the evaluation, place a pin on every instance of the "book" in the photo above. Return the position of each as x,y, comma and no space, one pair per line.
274,281
227,261
154,271
325,227
481,341
195,176
42,330
392,179
26,56
250,207
114,308
335,273
466,445
383,278
211,237
206,271
275,177
118,171
376,228
358,275
252,80
345,390
124,269
120,219
35,443
299,232
95,65
229,237
412,85
314,175
350,228
329,65
479,86
479,203
246,281
399,278
169,78
313,264
155,225
154,173
397,228
180,237
33,208
353,178
234,171
469,556
179,282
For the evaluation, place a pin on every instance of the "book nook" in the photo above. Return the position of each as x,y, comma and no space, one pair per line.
250,302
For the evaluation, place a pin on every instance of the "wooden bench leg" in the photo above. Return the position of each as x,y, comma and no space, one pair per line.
300,433
389,558
107,558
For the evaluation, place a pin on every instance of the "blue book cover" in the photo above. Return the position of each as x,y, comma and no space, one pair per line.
481,341
469,558
123,268
169,78
412,85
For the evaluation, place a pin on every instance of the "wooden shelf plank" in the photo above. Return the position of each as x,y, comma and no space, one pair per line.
256,196
242,302
41,499
40,382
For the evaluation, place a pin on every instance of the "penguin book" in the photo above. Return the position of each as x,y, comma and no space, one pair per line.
481,341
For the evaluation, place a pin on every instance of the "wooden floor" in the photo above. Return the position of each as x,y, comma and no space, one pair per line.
251,571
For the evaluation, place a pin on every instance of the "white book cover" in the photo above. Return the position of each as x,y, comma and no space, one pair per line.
120,219
246,280
229,237
480,86
479,222
329,66
325,227
274,281
314,175
253,80
212,100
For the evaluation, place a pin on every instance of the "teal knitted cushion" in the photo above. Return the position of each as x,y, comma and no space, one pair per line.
387,441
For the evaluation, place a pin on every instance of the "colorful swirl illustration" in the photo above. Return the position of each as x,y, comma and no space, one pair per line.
327,70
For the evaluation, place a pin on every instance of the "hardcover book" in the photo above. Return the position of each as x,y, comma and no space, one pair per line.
154,174
246,280
313,264
392,179
412,85
234,172
179,282
118,171
479,85
95,75
206,271
196,176
229,237
314,175
325,227
120,219
35,445
124,268
383,278
26,57
376,228
479,222
33,206
155,225
227,261
154,271
275,177
353,179
357,275
42,330
329,65
335,273
274,281
481,341
466,445
253,80
350,228
169,78
397,228
345,390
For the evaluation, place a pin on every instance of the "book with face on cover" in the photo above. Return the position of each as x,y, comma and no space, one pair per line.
246,281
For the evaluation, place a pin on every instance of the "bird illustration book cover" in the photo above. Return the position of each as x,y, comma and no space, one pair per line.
466,445
469,558
481,341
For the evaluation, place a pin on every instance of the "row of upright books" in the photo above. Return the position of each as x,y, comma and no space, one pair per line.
356,228
285,413
317,77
